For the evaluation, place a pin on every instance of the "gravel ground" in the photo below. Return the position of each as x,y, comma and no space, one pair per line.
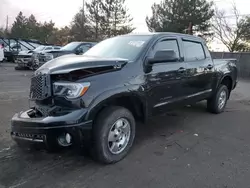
185,148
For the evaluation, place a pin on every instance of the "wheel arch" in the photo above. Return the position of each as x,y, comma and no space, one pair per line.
133,102
227,81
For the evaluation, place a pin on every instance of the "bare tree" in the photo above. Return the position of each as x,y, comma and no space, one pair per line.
229,33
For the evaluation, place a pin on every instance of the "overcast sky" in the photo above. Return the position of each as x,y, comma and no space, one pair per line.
62,11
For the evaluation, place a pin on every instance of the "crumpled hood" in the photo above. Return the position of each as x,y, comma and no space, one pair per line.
69,63
26,52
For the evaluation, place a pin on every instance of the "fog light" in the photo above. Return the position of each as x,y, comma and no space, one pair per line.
64,139
68,138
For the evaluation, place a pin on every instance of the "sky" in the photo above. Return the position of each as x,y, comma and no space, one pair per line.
62,11
45,10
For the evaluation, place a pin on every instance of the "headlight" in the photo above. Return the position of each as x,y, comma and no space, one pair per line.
49,56
70,90
34,55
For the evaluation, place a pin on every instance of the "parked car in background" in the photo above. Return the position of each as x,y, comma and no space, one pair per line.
13,46
1,52
99,96
77,48
25,59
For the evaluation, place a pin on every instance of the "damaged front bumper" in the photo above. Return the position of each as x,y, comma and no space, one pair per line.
47,130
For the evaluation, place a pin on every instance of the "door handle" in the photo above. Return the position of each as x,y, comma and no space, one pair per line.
209,66
181,70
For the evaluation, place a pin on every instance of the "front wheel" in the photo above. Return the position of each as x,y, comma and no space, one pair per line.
34,67
114,133
218,102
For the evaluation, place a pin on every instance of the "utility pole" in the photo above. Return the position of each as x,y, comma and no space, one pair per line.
83,5
7,23
83,18
190,28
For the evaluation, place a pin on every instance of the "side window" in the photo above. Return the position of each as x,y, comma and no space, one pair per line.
167,45
48,48
84,47
193,51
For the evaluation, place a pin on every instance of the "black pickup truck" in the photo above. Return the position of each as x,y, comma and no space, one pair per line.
96,99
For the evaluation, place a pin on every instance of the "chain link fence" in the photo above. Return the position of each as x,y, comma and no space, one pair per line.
243,61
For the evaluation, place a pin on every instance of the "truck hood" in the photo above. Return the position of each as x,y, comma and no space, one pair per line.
58,53
70,63
26,52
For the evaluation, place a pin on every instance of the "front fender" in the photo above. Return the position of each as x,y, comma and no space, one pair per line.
135,91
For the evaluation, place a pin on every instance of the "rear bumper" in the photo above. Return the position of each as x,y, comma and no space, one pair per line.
46,130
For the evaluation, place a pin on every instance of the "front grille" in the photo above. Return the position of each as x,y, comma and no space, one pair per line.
21,60
40,88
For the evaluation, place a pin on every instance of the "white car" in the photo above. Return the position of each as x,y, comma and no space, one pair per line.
1,53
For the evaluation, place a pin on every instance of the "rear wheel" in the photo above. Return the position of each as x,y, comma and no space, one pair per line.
114,133
218,102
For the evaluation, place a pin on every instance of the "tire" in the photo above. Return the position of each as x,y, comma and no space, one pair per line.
104,127
34,67
213,104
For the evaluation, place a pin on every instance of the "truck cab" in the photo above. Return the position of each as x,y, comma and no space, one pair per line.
100,95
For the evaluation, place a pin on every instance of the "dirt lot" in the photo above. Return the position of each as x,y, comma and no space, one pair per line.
185,148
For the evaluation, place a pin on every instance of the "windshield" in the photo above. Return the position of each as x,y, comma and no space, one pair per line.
39,48
70,47
126,47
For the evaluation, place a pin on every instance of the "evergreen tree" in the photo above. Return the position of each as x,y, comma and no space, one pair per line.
116,20
3,32
95,18
32,27
19,27
46,30
80,27
176,15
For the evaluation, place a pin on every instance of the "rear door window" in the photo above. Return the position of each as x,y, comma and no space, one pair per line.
193,51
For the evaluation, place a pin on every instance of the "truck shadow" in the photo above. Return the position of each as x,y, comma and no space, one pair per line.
169,123
29,165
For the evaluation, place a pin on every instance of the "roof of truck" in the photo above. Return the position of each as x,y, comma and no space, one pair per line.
167,33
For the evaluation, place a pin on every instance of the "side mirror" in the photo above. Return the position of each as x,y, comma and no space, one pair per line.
163,56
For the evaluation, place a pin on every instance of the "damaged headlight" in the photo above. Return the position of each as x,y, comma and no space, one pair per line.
70,90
